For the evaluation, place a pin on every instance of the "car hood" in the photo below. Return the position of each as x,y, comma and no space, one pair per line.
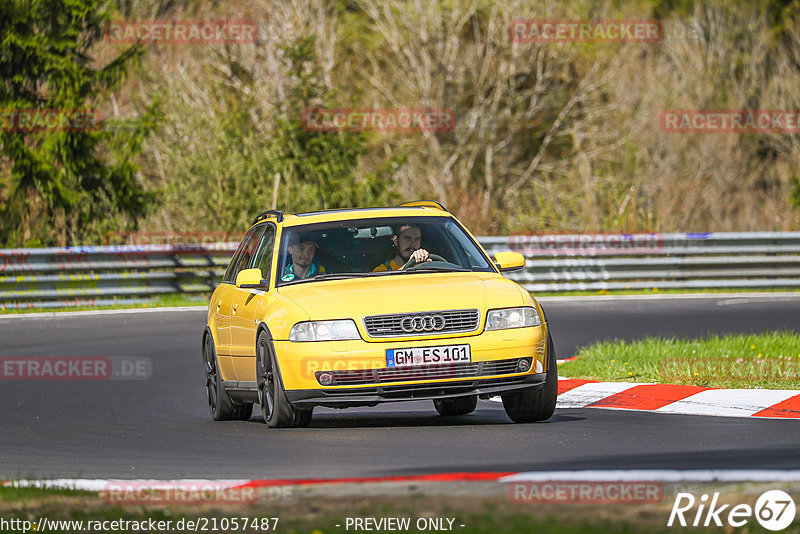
359,297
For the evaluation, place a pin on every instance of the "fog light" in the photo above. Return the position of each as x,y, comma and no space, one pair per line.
326,379
523,365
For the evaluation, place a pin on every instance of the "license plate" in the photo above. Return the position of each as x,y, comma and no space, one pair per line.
427,355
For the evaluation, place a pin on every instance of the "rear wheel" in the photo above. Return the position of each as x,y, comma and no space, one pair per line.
539,403
219,402
275,408
456,406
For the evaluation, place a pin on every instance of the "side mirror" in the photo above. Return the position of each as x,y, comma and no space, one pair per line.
250,279
509,261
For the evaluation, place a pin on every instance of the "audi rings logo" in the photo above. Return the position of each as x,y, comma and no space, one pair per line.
422,323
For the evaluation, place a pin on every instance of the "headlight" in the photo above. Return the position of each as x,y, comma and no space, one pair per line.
324,331
512,318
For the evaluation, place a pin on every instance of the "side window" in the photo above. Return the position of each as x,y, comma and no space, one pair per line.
243,254
263,257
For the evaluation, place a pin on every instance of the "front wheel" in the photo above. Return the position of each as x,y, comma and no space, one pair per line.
539,403
275,408
456,406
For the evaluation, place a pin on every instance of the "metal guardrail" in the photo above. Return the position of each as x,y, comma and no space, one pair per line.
90,276
593,262
95,276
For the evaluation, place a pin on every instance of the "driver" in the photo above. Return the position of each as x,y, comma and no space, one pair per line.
407,241
302,250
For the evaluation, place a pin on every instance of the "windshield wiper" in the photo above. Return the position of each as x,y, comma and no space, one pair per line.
326,276
345,276
339,276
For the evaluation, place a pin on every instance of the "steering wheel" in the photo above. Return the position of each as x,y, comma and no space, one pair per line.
411,261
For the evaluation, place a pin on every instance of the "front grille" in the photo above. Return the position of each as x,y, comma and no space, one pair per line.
424,372
428,372
390,325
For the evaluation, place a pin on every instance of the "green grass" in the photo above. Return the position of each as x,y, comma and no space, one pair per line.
157,302
320,514
768,361
13,493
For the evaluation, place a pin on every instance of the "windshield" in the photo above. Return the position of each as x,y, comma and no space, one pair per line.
369,247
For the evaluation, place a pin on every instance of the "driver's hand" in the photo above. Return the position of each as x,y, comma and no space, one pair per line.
420,255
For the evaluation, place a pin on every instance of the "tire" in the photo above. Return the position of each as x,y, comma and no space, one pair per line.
222,407
539,403
456,406
276,409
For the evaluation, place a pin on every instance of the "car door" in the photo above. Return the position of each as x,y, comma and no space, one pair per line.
221,302
246,307
225,297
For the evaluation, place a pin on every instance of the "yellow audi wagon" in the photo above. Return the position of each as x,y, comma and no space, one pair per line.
357,307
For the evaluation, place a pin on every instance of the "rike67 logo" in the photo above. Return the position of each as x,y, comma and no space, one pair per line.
774,510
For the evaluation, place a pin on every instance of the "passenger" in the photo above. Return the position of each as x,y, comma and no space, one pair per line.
302,250
407,241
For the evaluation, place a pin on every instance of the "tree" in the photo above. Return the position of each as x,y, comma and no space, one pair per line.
244,148
68,182
795,198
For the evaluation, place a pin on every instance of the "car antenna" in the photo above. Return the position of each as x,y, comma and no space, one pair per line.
319,188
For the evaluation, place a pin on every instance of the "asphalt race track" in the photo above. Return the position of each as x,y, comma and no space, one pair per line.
160,428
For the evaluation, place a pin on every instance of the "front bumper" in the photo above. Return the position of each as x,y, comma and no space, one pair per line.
371,396
299,363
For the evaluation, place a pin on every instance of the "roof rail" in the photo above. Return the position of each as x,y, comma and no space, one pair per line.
423,204
278,214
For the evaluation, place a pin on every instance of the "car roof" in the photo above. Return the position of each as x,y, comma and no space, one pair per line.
311,217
